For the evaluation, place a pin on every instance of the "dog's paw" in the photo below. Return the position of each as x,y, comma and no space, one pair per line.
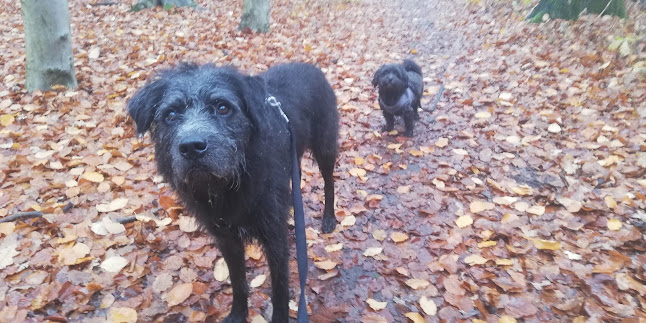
329,224
387,128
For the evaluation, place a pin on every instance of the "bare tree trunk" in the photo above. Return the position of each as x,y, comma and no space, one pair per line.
48,43
255,15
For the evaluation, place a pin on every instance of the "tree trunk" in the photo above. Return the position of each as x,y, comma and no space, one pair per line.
255,15
167,4
571,9
48,43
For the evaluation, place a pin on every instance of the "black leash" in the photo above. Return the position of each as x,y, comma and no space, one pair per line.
299,218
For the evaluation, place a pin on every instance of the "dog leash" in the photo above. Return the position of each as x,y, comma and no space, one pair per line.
299,217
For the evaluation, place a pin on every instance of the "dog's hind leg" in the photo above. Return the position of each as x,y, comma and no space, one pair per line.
409,122
325,153
276,249
232,250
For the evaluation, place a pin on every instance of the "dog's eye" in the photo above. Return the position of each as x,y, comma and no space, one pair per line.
222,109
171,116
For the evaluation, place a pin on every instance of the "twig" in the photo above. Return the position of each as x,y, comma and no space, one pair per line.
22,216
604,9
104,3
128,219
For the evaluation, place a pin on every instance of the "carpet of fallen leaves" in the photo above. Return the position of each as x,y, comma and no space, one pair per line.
521,197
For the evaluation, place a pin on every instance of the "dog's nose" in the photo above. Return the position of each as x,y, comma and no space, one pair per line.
192,148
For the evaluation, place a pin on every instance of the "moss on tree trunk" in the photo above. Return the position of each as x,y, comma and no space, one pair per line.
571,9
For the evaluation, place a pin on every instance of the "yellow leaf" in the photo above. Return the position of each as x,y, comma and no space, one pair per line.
614,224
70,256
357,172
334,247
506,319
613,159
258,281
413,51
546,244
7,227
505,200
475,260
428,306
253,251
258,319
376,305
483,115
522,190
442,142
504,262
325,265
479,206
415,317
415,283
416,153
478,321
398,236
6,119
610,202
116,204
359,161
536,210
220,271
122,315
348,220
179,294
460,152
438,183
93,177
372,251
464,221
394,146
642,182
114,264
486,244
403,189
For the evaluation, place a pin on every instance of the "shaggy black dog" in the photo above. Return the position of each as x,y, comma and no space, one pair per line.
400,92
225,150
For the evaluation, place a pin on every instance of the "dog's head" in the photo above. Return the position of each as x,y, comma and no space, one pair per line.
201,119
392,80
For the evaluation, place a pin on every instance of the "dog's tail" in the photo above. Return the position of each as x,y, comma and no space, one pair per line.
411,66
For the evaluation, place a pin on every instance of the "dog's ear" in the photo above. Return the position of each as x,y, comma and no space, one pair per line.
254,95
143,105
378,74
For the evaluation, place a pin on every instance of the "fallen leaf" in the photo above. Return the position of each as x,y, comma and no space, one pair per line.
6,119
179,294
480,206
372,251
415,317
486,244
258,281
114,264
483,115
398,237
122,315
220,270
8,250
415,283
536,210
325,265
116,204
428,306
348,220
93,177
475,260
614,224
334,247
554,128
505,200
504,262
442,142
610,202
403,189
522,190
379,234
464,221
376,305
187,223
546,244
71,255
506,319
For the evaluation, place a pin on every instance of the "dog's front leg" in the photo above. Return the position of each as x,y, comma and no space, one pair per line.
232,249
390,121
277,252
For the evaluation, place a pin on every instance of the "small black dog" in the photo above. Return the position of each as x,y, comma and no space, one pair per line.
400,92
226,151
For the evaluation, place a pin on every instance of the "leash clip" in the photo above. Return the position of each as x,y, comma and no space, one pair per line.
271,100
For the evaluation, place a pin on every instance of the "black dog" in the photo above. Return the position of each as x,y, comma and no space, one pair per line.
400,92
226,151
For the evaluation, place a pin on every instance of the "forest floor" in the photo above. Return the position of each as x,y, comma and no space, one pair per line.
522,195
